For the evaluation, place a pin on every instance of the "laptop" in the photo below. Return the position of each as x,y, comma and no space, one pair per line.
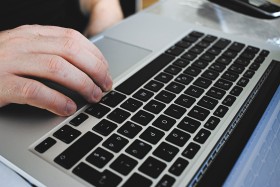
180,92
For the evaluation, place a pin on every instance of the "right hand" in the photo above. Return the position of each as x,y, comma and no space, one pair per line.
61,55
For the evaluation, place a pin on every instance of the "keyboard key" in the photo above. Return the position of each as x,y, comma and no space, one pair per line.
223,84
249,74
131,105
214,51
178,167
118,115
96,178
230,54
113,98
203,83
229,100
173,70
184,79
178,137
224,60
105,127
243,82
194,91
212,123
196,34
152,135
235,68
138,149
216,93
207,57
221,111
99,157
142,117
264,53
259,59
236,91
67,134
154,86
166,151
164,122
154,106
175,111
189,125
143,181
181,63
190,39
222,43
252,49
230,76
196,50
77,150
45,145
199,113
115,143
124,164
242,61
145,74
191,150
129,129
164,77
165,96
143,95
203,44
236,46
185,101
217,67
175,87
152,167
175,51
202,136
212,75
255,66
193,71
208,102
209,38
79,119
97,110
166,181
183,44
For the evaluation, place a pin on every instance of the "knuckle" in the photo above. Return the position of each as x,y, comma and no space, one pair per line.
85,84
30,90
71,33
55,65
71,47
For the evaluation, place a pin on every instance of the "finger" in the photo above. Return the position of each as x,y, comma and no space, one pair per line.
27,91
58,70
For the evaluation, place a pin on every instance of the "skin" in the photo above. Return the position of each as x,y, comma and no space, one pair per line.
58,54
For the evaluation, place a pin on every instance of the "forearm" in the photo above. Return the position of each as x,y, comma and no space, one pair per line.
87,6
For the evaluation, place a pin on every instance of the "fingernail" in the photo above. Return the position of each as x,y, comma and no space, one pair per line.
70,107
97,94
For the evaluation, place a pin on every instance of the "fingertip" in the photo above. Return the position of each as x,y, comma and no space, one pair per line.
70,108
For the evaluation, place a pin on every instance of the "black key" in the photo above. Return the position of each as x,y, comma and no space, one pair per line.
166,151
249,74
217,67
203,44
189,56
222,43
230,76
143,95
105,127
202,82
221,111
235,46
99,157
194,91
154,86
223,84
236,68
143,181
255,66
77,150
207,57
247,55
229,100
192,71
164,77
212,123
142,117
124,164
118,115
199,113
113,98
190,39
202,136
191,150
67,134
175,111
131,105
178,137
79,119
214,51
242,61
209,38
143,75
129,129
175,51
96,178
189,125
97,110
45,145
174,70
178,167
196,34
216,93
181,63
236,90
243,82
183,44
164,122
208,102
230,54
264,53
185,101
115,143
196,50
175,87
138,149
166,181
184,79
152,135
152,167
259,59
252,49
165,96
212,75
224,60
200,64
154,106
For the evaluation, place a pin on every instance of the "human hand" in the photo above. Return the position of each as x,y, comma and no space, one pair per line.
61,55
102,14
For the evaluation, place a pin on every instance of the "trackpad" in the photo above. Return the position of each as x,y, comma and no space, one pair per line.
120,55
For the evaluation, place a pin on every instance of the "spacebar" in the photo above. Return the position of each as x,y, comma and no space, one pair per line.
77,150
144,74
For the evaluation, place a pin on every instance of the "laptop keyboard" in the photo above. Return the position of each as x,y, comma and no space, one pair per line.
153,124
